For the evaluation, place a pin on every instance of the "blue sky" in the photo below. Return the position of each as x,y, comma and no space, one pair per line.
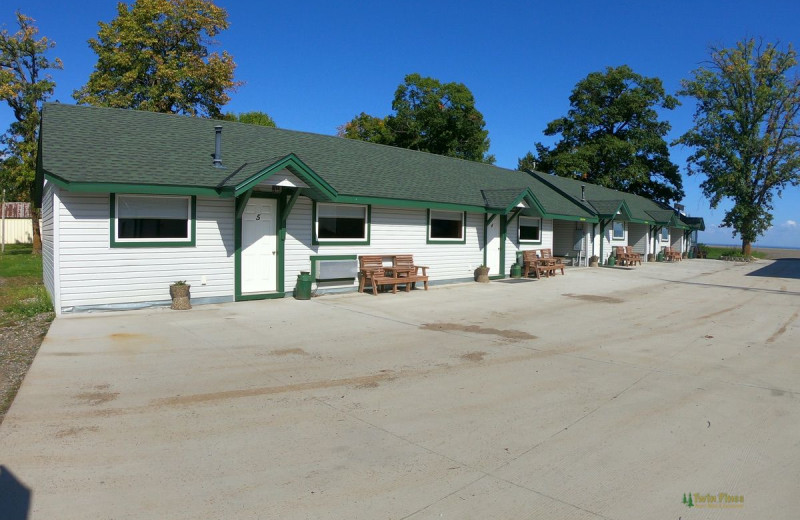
314,65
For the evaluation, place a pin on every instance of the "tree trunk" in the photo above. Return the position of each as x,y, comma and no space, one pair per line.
37,233
746,248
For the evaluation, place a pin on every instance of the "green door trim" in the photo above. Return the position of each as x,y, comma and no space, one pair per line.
280,232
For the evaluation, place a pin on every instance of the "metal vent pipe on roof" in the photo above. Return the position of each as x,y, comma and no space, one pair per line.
218,146
583,192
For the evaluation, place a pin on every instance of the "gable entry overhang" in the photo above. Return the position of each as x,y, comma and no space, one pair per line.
608,211
511,202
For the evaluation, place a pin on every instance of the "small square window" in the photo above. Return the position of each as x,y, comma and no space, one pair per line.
152,220
618,230
530,230
339,223
446,226
665,234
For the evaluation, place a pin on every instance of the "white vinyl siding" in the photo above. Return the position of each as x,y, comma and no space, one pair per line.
49,247
564,237
94,274
638,235
392,231
676,239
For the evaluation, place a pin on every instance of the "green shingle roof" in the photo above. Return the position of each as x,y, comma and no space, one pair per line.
641,208
104,149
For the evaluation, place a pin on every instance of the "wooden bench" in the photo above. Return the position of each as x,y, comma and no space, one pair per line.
671,255
633,256
553,263
621,253
626,256
406,268
372,270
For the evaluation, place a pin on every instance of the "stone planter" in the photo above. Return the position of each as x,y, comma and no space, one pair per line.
651,257
482,274
180,297
594,261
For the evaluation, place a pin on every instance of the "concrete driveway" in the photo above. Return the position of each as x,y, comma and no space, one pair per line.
606,393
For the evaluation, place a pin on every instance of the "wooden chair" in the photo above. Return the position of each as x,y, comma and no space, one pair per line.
371,270
532,263
622,255
408,269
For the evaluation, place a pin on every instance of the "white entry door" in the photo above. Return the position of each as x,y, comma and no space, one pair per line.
259,246
493,247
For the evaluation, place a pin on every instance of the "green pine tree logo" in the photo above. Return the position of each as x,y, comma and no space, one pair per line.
684,498
690,504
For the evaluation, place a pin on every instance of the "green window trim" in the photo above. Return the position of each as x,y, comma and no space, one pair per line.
115,242
462,240
315,240
523,241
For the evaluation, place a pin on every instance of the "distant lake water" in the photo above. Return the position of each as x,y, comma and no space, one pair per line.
755,246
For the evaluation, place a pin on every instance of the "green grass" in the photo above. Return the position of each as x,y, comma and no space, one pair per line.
717,252
23,295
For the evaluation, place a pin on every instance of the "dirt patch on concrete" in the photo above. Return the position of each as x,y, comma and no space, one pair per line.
99,396
368,384
594,298
370,381
71,432
289,351
474,356
717,313
509,334
778,333
125,336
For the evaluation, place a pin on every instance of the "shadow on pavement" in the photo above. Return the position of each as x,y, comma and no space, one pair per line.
15,497
722,286
781,268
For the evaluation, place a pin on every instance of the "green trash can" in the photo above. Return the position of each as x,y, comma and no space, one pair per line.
302,291
660,256
612,261
516,271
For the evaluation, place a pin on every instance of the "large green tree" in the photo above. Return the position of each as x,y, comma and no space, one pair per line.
24,86
154,56
429,116
612,136
251,118
365,127
746,132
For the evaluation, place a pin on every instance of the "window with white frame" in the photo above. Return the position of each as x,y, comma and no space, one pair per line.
618,230
152,219
342,223
446,226
665,234
530,229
